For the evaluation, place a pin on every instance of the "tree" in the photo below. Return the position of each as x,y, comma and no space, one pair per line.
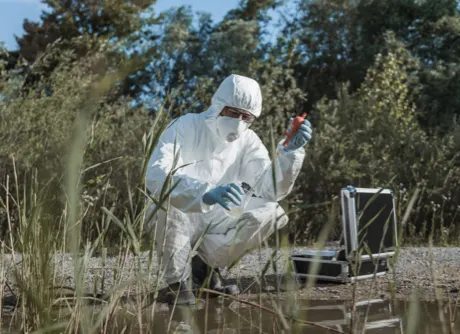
192,59
117,22
67,19
338,40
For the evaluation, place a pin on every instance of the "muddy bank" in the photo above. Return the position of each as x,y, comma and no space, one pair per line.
430,271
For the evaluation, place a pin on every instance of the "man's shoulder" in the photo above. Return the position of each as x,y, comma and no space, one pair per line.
251,138
186,121
251,135
190,116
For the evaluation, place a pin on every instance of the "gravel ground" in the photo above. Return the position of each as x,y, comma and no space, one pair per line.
415,268
434,272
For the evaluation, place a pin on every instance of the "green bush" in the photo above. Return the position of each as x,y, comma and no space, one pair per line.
372,139
37,127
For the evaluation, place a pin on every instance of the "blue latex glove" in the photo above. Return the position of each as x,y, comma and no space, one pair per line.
301,138
220,195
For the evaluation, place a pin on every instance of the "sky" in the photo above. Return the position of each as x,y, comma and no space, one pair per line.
13,13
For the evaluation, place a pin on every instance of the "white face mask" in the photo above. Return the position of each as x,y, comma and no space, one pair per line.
229,128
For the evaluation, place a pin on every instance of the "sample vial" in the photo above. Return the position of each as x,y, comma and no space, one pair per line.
237,210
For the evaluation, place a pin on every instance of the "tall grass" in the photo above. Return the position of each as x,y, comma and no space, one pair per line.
97,224
47,302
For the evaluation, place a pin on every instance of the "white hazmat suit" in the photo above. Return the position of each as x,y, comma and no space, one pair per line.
200,141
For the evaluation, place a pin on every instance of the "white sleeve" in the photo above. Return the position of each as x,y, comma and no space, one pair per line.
258,170
188,194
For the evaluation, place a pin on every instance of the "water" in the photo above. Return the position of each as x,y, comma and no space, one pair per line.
228,317
375,316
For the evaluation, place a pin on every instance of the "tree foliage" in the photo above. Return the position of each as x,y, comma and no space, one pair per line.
379,80
66,21
338,40
372,139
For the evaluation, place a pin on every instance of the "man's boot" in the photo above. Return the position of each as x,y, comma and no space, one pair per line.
208,278
181,293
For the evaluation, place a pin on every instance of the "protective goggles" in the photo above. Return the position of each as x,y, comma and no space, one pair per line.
238,113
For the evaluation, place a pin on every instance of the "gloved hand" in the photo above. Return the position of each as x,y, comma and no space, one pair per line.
220,195
301,138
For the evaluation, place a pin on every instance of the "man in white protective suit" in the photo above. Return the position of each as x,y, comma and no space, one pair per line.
219,153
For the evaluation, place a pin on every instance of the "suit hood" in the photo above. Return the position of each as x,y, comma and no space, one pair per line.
235,91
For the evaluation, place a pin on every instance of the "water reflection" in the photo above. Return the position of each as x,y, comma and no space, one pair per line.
373,316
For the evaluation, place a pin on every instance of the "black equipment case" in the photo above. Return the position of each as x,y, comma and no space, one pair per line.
369,239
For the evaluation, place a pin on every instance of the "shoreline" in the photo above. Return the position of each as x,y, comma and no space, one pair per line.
436,274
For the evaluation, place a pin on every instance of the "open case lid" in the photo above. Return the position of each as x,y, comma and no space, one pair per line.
369,221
